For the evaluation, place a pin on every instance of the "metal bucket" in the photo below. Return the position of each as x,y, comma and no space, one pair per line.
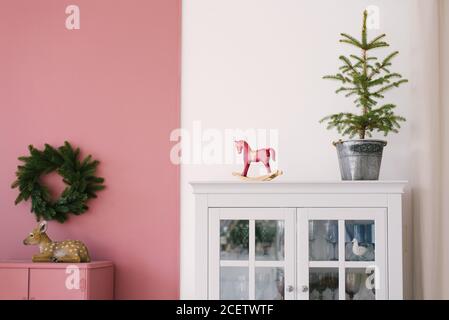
360,159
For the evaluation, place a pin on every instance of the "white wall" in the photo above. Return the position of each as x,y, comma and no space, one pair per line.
258,64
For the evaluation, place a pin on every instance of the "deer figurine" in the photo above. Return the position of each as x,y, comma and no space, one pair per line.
71,251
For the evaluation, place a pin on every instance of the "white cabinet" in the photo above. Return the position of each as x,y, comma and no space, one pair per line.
287,240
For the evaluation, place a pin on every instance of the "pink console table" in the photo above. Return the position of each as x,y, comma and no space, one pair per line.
25,280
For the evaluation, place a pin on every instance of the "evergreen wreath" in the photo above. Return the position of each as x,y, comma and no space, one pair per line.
82,184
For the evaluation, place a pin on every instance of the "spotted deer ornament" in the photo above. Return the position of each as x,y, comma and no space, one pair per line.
71,251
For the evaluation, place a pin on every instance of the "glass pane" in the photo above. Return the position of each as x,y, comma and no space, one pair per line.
234,239
323,240
323,284
269,283
360,284
359,240
269,240
234,283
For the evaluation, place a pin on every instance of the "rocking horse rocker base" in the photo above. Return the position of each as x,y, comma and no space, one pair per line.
266,177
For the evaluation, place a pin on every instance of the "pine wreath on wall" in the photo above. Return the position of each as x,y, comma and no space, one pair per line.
79,176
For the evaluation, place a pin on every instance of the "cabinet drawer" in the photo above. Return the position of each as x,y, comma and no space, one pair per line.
13,284
56,284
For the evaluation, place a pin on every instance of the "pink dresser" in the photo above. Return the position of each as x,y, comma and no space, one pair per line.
25,280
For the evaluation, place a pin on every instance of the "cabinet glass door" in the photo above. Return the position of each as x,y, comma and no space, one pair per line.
251,253
342,254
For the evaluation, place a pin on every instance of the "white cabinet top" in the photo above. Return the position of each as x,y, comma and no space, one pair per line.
311,187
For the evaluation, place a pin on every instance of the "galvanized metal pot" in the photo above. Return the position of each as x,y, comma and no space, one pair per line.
360,159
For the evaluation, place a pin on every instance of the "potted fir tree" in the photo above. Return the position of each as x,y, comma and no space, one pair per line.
364,78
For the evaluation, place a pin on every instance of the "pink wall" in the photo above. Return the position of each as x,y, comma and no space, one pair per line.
111,88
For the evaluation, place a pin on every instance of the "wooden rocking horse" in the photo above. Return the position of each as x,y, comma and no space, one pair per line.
261,155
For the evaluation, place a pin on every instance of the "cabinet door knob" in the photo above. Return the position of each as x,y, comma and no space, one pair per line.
305,288
290,289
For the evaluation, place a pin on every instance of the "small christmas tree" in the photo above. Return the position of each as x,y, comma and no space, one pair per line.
367,79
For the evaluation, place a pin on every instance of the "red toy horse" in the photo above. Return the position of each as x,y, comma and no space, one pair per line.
261,155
